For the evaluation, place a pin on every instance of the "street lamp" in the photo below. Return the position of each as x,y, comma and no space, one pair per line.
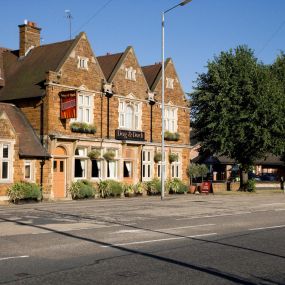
162,96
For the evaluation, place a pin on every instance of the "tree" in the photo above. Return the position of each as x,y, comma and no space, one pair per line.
238,109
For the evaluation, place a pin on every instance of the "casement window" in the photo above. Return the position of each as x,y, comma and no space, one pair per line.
96,167
130,73
170,119
82,62
29,170
159,167
128,166
147,158
80,162
85,108
169,83
130,115
112,165
5,162
176,168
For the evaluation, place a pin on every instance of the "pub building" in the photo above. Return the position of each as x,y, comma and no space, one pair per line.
97,117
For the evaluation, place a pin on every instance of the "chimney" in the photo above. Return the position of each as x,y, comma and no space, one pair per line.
30,36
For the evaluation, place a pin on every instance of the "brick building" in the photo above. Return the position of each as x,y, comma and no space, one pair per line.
107,108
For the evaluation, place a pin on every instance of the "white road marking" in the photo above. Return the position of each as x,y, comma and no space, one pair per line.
186,227
213,216
13,257
279,210
265,228
158,240
272,204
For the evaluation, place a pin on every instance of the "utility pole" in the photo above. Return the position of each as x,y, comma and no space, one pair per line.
69,18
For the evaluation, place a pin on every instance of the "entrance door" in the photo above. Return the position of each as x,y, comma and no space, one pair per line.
59,178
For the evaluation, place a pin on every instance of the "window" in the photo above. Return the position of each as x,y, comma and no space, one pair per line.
96,168
159,167
170,119
82,62
85,108
130,73
5,161
28,170
128,169
111,169
129,115
146,165
176,168
169,83
80,162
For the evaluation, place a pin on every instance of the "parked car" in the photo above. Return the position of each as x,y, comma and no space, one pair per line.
253,176
269,177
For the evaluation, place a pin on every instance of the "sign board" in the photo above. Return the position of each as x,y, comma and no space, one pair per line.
206,187
129,135
68,104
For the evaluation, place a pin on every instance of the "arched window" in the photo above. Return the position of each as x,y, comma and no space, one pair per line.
129,117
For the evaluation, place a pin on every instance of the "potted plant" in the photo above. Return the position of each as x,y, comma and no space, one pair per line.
157,157
79,127
192,172
173,157
169,136
109,155
94,154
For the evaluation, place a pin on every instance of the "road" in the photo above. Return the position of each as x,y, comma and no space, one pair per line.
184,239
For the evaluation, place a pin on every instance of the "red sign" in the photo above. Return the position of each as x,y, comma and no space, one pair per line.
68,104
206,187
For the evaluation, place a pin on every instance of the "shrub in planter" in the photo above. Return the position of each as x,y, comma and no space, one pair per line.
110,188
176,186
128,190
109,155
79,127
140,188
94,154
154,187
157,157
173,157
23,191
82,189
169,136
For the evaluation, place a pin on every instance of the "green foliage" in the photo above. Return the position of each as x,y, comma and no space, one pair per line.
157,157
79,127
173,157
176,186
154,187
192,171
238,107
109,155
251,185
128,189
169,136
24,190
202,170
82,189
140,188
94,154
110,188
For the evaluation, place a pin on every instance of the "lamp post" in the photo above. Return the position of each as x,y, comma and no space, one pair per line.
162,96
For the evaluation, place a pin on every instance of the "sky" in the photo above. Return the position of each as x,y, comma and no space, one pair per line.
194,33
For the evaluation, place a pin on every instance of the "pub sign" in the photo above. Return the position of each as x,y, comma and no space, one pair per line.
129,135
68,104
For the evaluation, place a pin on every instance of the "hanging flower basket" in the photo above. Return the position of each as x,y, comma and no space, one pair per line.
94,154
157,157
173,157
169,136
79,127
109,155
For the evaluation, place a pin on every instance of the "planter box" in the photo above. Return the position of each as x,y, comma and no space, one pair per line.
219,187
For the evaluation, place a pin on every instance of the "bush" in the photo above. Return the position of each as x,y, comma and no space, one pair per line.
157,157
176,186
110,188
128,189
82,189
251,185
140,188
154,187
169,136
24,190
79,127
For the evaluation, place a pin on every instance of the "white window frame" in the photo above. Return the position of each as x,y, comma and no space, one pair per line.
136,115
169,83
116,163
100,165
82,62
130,73
32,169
170,119
83,161
130,169
147,165
8,160
84,111
175,167
159,166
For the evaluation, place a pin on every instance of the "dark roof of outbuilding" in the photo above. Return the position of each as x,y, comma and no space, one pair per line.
108,63
24,76
29,143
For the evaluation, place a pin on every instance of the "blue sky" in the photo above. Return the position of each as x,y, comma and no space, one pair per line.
194,33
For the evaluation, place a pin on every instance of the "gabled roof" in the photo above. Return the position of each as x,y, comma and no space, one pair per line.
151,72
108,63
24,76
29,143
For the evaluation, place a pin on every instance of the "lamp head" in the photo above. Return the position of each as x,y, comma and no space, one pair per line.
184,2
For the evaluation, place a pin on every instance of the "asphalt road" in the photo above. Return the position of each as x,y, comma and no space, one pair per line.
184,239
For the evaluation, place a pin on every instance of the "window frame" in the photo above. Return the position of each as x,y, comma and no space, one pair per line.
135,115
175,167
82,158
8,160
82,62
147,164
32,168
171,118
